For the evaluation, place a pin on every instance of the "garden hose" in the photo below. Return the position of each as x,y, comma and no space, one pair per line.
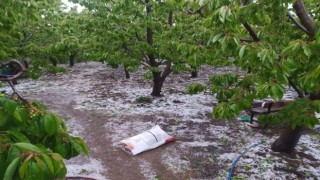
238,158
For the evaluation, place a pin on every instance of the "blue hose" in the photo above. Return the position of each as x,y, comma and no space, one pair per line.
238,158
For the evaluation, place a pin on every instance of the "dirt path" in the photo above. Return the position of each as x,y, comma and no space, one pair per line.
100,106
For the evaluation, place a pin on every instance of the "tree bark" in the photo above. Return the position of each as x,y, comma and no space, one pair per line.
170,18
53,61
314,96
297,89
157,84
71,59
288,140
251,32
126,72
305,19
194,72
297,23
157,80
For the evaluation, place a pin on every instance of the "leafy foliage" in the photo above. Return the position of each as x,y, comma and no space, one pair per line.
195,88
271,50
298,114
34,141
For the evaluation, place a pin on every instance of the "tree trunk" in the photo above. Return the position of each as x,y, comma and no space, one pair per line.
288,140
71,60
194,72
314,96
53,61
157,84
170,18
126,72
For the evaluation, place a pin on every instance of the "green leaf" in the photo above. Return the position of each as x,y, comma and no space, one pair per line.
50,124
17,116
3,117
208,22
195,88
23,169
13,153
17,136
62,170
148,76
223,13
276,91
235,108
241,52
216,37
262,91
316,105
306,50
10,106
27,146
39,162
3,165
48,162
22,113
11,169
295,47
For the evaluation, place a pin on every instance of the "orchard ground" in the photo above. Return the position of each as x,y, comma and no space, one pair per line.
101,106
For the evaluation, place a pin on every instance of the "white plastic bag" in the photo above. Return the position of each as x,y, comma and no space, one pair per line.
146,140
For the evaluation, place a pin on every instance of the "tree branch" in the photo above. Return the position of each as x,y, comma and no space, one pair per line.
23,42
142,2
170,18
248,27
198,11
296,88
167,70
305,19
145,64
245,2
251,32
246,40
149,37
143,54
138,37
297,23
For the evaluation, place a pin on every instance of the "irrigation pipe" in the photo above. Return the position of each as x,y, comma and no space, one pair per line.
315,130
238,158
